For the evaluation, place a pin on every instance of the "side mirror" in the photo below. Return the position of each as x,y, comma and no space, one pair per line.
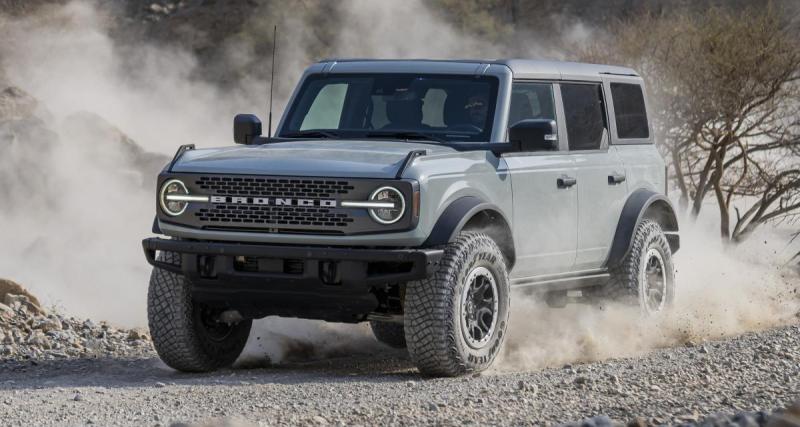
534,135
246,127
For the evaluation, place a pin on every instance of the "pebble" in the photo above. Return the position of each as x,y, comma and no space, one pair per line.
640,390
27,334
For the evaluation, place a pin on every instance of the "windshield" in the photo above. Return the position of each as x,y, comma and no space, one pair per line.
441,108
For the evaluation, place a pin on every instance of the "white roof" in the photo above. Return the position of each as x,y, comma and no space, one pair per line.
520,68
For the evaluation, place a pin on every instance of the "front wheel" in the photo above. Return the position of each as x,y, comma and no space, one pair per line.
189,336
646,276
456,320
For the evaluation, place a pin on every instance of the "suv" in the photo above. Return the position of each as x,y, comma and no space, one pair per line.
415,195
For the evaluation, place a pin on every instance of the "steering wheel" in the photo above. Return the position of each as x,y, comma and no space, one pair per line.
464,127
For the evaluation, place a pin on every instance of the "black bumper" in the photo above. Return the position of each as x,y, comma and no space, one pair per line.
312,282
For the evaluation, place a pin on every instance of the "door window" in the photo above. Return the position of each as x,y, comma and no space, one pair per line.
630,112
585,117
531,101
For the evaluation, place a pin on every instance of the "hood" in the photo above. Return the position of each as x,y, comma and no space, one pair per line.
323,158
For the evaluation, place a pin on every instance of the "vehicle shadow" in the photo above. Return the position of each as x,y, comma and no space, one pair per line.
110,372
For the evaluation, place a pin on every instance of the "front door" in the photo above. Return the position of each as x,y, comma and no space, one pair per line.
545,201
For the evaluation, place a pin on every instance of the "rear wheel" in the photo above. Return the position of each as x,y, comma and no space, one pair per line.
391,334
189,336
646,276
455,321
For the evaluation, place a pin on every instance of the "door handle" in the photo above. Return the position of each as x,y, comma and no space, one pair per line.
566,181
616,178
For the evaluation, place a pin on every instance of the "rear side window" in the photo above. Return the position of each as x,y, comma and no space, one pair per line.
583,108
630,111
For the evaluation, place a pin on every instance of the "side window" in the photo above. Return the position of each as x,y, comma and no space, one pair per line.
583,108
326,110
531,101
630,111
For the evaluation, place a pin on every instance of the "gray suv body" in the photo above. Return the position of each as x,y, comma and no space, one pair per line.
415,195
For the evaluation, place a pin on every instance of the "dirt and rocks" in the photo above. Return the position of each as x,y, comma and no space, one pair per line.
29,333
63,371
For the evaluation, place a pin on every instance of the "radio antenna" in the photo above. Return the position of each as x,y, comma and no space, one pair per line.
272,78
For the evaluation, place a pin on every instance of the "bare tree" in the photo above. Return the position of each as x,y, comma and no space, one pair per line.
724,85
773,187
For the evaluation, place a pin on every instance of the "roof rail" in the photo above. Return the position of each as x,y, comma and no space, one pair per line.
619,74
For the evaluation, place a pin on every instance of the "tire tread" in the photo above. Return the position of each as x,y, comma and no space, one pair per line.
431,305
171,323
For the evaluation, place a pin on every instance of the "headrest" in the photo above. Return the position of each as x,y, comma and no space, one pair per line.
454,113
404,112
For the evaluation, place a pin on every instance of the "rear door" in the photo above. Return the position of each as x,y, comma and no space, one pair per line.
545,213
601,186
632,136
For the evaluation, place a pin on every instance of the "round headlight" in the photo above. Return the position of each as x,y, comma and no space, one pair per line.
388,215
173,207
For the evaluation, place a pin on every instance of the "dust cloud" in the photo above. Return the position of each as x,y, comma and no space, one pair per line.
720,292
76,204
73,237
81,204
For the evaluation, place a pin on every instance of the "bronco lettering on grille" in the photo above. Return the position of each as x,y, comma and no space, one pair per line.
273,201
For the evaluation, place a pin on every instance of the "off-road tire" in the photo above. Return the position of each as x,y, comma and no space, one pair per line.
626,285
433,309
179,336
391,334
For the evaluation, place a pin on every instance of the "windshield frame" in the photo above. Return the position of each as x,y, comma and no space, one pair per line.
495,113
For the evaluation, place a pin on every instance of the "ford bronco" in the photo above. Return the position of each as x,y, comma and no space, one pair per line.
414,195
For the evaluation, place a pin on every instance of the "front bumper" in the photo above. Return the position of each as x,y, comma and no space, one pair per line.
312,282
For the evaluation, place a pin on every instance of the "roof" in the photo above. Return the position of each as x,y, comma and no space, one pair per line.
521,68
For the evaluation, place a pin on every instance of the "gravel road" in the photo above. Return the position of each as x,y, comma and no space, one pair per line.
753,372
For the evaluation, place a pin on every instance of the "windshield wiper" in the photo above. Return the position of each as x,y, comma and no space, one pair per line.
312,134
410,135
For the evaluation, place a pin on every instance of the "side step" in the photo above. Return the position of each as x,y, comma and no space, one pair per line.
563,282
558,290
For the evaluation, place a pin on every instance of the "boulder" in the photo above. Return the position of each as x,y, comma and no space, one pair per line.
47,324
113,146
12,292
788,418
25,144
5,311
16,104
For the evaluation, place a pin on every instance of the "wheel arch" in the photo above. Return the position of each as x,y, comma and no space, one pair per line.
472,213
643,204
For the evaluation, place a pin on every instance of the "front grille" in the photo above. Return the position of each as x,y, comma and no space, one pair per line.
273,215
273,187
278,217
283,204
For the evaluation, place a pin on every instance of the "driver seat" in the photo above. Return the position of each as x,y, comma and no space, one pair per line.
404,114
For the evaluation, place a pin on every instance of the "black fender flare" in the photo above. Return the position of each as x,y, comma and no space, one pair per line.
642,204
156,228
453,219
